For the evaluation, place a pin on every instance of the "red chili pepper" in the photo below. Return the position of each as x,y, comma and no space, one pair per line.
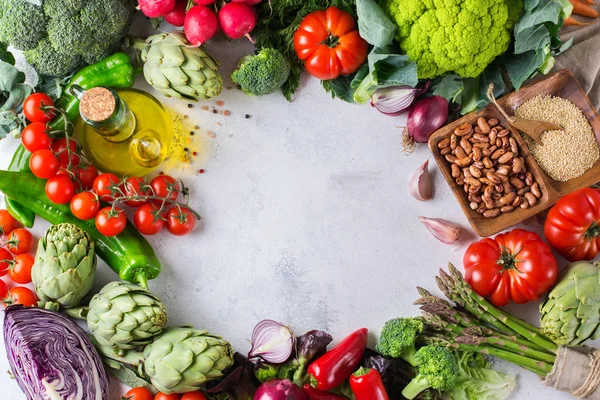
313,394
366,384
328,371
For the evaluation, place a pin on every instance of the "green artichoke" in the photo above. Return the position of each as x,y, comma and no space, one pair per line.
176,69
65,263
571,314
183,359
125,315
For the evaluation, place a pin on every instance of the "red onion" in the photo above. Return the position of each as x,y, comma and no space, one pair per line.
279,389
271,341
396,99
426,116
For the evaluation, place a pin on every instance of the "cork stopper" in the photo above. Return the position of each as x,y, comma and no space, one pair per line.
97,104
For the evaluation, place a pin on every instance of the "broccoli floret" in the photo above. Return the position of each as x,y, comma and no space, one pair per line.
398,337
63,35
438,369
263,73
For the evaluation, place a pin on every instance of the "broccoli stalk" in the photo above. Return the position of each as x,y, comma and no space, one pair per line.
398,338
263,73
438,369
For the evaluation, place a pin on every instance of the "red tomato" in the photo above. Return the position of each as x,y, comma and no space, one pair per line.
139,393
7,223
134,187
60,189
33,108
85,205
163,396
3,290
573,225
102,186
6,259
111,222
515,265
147,219
20,271
21,295
165,186
34,137
193,396
180,221
329,44
60,149
86,176
20,241
44,164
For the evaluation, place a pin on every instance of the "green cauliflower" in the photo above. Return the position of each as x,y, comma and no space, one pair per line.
263,73
460,36
64,35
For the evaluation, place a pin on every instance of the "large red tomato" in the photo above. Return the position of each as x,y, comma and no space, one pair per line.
515,265
329,44
573,225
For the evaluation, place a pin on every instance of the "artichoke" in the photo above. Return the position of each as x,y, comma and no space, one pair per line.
183,359
571,314
65,263
177,69
124,315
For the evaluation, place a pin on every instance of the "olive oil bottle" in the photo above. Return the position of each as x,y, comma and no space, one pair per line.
127,132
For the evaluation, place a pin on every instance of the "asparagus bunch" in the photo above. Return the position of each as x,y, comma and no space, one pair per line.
473,324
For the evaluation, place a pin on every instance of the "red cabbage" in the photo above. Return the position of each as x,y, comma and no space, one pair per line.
51,357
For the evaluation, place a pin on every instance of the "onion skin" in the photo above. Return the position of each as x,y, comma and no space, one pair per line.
51,357
279,389
426,116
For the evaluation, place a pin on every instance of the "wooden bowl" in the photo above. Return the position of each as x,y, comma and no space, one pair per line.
560,84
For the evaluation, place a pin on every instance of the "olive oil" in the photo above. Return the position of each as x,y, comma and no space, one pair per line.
134,141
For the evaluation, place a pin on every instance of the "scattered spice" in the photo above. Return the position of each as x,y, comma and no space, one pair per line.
205,108
201,171
186,149
215,111
185,117
196,127
567,154
211,134
192,133
247,116
195,153
190,105
219,124
227,113
220,103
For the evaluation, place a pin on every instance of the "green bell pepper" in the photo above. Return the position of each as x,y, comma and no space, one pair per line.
20,163
128,254
115,71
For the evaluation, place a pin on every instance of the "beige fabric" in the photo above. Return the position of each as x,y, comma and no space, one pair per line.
577,371
584,57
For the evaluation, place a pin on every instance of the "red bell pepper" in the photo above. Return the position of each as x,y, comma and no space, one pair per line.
313,394
366,384
331,369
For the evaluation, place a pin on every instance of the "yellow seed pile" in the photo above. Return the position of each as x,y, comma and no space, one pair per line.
567,154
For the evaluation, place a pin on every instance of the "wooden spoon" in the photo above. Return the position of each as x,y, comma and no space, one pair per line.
533,129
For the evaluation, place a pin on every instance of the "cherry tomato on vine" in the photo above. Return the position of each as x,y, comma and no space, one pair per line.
6,258
139,393
193,396
147,219
3,290
165,186
86,177
44,164
60,189
133,187
7,222
164,396
111,222
60,149
21,295
20,271
33,108
34,137
180,221
85,205
20,241
102,186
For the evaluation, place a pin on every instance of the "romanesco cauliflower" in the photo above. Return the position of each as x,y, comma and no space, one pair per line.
460,36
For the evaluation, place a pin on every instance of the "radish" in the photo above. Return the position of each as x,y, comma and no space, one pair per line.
249,2
204,2
237,20
156,8
177,16
200,25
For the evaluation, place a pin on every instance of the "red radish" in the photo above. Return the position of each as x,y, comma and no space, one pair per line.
237,20
156,8
249,2
177,16
204,2
200,25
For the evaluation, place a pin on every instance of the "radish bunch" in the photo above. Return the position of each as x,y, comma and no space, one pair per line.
199,19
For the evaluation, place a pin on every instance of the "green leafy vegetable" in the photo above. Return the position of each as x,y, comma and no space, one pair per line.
374,26
476,380
13,92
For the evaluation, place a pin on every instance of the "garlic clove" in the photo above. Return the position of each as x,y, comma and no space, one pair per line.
420,185
444,231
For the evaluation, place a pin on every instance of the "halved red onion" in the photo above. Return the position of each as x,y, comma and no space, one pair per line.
396,99
271,341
